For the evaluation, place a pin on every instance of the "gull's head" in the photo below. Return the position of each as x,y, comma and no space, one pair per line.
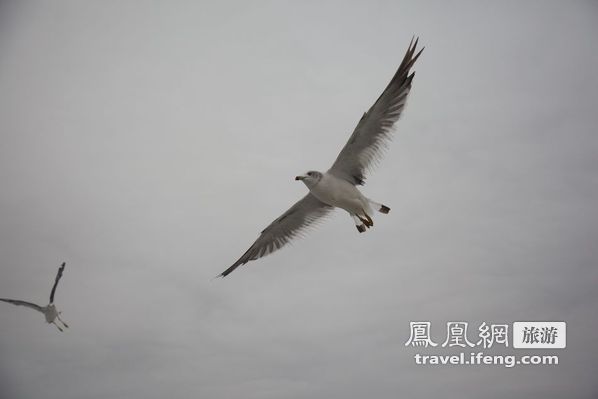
311,178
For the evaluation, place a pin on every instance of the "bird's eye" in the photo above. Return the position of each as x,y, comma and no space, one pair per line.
310,174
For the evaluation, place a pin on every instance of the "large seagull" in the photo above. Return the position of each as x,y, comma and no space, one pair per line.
337,188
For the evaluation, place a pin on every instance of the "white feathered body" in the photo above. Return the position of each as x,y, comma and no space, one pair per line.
50,313
341,194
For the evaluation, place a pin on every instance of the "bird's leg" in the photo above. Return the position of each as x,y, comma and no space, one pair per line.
369,220
62,321
57,326
358,224
366,220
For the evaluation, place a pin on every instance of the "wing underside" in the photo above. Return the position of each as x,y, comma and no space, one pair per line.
374,131
23,303
294,222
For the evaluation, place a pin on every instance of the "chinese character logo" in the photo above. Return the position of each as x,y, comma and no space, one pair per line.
540,334
456,334
420,334
543,335
493,334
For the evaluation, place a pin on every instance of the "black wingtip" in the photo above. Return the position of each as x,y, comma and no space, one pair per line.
229,270
418,54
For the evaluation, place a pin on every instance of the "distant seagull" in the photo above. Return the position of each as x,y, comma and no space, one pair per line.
336,188
50,310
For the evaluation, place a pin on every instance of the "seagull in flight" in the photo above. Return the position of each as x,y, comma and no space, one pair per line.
337,188
49,310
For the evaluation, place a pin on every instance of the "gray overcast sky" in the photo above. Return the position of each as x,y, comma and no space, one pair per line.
147,144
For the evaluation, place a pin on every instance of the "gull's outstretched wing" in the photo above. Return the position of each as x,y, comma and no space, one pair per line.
289,225
23,303
374,130
58,276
